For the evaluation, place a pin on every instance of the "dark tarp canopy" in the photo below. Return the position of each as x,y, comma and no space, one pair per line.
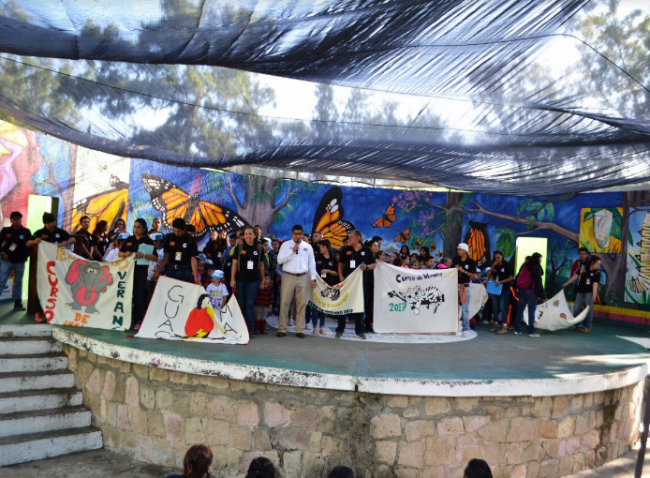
498,96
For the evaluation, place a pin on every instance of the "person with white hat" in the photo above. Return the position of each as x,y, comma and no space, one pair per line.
217,291
466,268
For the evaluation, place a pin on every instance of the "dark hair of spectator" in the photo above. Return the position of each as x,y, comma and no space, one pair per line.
296,227
397,262
583,249
477,468
48,217
16,214
197,461
179,223
340,472
98,228
142,222
261,467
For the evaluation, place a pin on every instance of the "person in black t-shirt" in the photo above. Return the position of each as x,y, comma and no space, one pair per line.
100,238
587,291
327,269
350,257
54,235
13,243
180,254
466,268
501,273
246,274
88,242
131,246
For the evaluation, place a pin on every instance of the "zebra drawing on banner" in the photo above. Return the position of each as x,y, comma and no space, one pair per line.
416,297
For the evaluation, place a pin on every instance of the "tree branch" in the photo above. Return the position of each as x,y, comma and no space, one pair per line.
285,201
538,225
230,190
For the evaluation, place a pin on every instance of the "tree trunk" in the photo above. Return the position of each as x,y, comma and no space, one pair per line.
453,228
258,207
68,195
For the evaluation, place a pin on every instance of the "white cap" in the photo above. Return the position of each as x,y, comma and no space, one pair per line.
463,246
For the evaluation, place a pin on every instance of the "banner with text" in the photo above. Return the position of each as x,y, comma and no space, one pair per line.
415,301
341,299
182,311
83,293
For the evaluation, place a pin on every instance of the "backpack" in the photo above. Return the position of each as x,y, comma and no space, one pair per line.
524,280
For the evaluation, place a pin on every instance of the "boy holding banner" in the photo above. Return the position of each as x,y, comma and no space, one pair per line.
353,256
466,268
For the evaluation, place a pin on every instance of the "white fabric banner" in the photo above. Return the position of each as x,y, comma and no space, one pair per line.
341,299
83,293
477,297
182,311
415,301
555,314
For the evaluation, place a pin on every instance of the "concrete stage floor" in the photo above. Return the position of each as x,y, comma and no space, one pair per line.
561,355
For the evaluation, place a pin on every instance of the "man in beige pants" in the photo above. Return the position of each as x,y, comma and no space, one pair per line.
298,266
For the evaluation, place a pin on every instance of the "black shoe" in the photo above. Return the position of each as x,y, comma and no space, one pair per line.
339,335
18,305
370,330
281,334
300,335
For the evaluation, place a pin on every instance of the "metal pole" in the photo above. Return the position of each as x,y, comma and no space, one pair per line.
638,470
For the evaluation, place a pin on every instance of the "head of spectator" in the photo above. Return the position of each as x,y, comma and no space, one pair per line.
260,467
414,257
49,221
534,260
157,238
16,219
374,247
232,239
498,257
463,251
84,223
595,264
179,226
297,233
258,231
337,254
396,261
415,265
266,282
356,239
430,262
316,237
393,256
340,472
404,251
275,243
100,228
190,229
209,268
346,241
139,227
223,236
214,235
447,261
249,235
584,255
121,238
325,247
217,277
382,256
266,245
377,239
477,468
424,252
197,462
120,225
155,225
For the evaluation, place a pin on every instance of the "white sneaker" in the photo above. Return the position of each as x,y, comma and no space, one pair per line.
315,332
533,335
459,334
322,331
307,327
291,322
466,334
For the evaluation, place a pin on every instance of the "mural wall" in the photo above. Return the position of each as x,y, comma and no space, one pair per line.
616,226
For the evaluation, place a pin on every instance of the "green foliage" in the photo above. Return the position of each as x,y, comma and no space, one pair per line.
279,218
506,241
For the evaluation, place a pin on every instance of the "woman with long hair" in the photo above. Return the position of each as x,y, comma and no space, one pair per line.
246,275
501,274
196,463
100,237
327,268
405,252
529,288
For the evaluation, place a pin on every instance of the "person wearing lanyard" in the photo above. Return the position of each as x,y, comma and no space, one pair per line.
100,237
327,268
298,267
180,254
246,274
466,268
52,234
588,282
13,241
501,273
133,245
353,256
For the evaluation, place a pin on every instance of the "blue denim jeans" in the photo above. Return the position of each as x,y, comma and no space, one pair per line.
464,308
500,304
245,293
526,298
317,317
180,274
18,270
583,299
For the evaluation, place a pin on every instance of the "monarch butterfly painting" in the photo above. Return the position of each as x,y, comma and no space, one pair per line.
479,245
386,218
329,218
108,206
418,242
173,203
404,236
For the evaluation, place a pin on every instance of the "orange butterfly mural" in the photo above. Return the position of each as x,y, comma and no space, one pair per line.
329,218
418,243
404,236
108,206
479,246
173,203
386,218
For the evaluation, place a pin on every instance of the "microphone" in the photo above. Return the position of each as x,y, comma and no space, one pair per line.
296,243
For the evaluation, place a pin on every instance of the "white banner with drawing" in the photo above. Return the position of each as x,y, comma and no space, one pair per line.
182,311
555,314
415,301
340,299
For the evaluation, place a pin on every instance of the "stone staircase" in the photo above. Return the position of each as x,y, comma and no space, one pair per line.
41,411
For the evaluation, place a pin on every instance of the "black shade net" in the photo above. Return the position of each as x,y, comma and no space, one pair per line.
516,97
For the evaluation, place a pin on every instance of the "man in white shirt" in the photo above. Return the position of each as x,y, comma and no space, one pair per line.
298,267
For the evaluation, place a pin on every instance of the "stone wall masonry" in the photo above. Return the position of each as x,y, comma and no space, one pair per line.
155,415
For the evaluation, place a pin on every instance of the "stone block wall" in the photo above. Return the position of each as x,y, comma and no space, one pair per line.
155,415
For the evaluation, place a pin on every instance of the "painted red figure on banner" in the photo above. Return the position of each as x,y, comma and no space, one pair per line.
87,280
